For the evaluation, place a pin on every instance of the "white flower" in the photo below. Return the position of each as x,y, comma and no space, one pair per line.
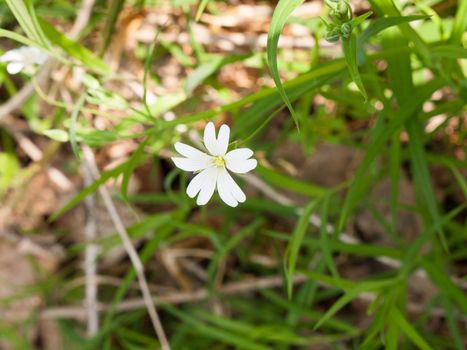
212,167
23,59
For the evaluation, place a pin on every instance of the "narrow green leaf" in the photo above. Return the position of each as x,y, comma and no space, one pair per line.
295,244
350,54
73,121
359,20
442,279
422,179
202,5
283,10
326,248
88,190
449,51
277,179
132,163
409,330
213,331
370,286
388,8
460,23
114,10
208,68
378,141
413,249
18,37
379,25
57,135
452,321
27,19
74,49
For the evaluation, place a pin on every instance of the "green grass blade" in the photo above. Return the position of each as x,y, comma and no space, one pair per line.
295,244
449,51
409,330
379,25
277,179
73,122
378,141
27,19
326,247
452,321
132,163
349,49
460,23
17,37
201,7
88,190
422,179
74,49
283,10
115,8
213,331
441,278
351,294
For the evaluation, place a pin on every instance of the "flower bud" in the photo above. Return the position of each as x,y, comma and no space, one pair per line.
346,29
332,35
342,11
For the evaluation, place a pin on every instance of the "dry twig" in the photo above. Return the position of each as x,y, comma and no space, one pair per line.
175,298
131,251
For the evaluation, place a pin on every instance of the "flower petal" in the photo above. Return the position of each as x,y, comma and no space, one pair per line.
223,139
241,166
209,139
11,56
188,151
225,183
239,154
189,164
236,190
14,67
196,184
208,187
224,188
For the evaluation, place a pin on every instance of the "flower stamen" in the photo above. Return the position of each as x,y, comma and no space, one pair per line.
219,162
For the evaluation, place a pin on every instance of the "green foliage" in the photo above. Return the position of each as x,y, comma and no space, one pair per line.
316,279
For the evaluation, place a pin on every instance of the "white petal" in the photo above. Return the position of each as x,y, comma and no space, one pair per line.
189,164
210,139
11,56
196,184
241,166
224,188
188,151
239,154
235,189
209,185
223,139
14,67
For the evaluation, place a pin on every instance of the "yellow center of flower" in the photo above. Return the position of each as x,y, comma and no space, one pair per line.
219,162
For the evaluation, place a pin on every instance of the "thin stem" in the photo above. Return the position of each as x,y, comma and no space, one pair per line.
131,251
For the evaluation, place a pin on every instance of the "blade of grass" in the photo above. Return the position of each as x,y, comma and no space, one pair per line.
281,13
370,286
349,48
74,49
291,184
408,330
326,248
295,244
202,5
88,190
115,8
460,23
212,331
